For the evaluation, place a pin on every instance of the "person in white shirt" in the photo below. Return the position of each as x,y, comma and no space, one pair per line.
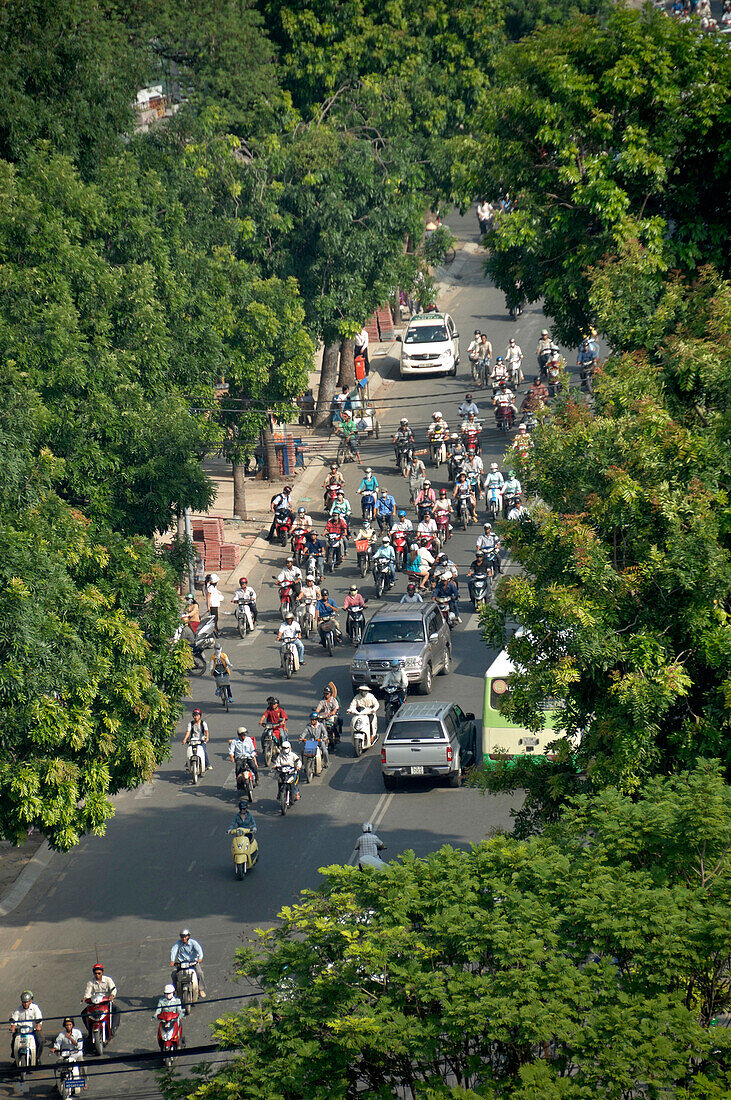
427,528
291,630
28,1012
309,596
242,752
303,519
291,574
411,595
514,358
245,594
365,702
70,1040
214,599
103,984
361,347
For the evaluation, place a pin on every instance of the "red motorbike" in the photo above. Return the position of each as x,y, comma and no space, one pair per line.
331,493
169,1034
298,543
444,527
430,543
286,598
398,541
504,417
282,526
99,1021
471,439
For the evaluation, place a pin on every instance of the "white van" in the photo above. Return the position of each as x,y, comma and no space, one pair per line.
430,345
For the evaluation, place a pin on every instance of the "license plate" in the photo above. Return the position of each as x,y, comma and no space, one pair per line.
417,769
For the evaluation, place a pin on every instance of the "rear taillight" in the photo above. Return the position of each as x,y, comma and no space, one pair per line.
449,754
383,756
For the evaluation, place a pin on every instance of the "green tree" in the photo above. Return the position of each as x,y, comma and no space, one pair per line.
605,133
558,967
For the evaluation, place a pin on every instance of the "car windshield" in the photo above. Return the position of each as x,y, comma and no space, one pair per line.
426,334
384,633
414,730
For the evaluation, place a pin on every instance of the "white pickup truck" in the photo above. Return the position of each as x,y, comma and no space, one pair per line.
426,739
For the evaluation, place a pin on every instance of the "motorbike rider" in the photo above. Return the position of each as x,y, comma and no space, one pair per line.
221,666
303,519
438,433
427,531
290,630
290,575
397,679
403,436
192,614
309,595
514,357
479,568
280,502
314,550
463,492
442,508
446,588
336,525
456,456
494,480
245,594
244,819
368,487
365,702
426,498
327,609
286,760
474,469
411,595
353,599
198,733
28,1011
500,373
333,481
274,715
328,709
511,488
169,1002
368,843
415,474
522,442
385,552
104,985
348,429
367,531
468,406
69,1040
385,509
242,753
403,524
473,351
315,730
518,511
536,397
485,358
544,350
188,950
504,398
488,544
341,507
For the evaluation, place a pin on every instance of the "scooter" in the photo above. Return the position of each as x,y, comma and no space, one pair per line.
363,550
444,605
333,550
25,1048
375,862
367,505
289,657
360,728
405,456
328,634
199,642
311,759
384,580
504,417
99,1021
282,526
245,780
398,540
314,567
244,851
286,598
286,789
298,544
480,589
69,1080
444,527
186,985
195,761
244,619
493,502
271,739
393,698
306,617
355,624
169,1035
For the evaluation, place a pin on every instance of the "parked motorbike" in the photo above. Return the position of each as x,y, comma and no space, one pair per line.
360,729
384,580
69,1079
355,624
443,603
244,851
99,1021
286,789
333,551
196,762
186,985
169,1035
363,550
25,1047
289,657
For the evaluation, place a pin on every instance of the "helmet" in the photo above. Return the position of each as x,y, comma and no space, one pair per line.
395,663
340,493
521,427
190,597
442,557
436,415
367,526
185,932
404,420
401,514
289,615
327,690
26,995
271,700
243,581
411,587
324,592
197,710
243,804
499,359
333,465
367,827
214,578
218,648
512,339
454,436
301,510
427,483
242,729
493,466
384,492
369,471
385,540
487,526
70,1019
468,397
442,492
314,714
287,489
544,332
354,588
285,746
168,991
290,559
363,687
476,332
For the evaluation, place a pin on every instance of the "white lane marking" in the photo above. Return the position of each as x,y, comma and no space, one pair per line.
168,903
192,865
230,781
376,818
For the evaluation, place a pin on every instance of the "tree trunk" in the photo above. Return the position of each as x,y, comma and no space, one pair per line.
347,364
270,452
328,384
239,490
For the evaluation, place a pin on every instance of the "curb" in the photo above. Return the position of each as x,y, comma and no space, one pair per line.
27,879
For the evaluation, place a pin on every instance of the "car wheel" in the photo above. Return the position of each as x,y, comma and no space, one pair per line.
447,666
425,685
455,779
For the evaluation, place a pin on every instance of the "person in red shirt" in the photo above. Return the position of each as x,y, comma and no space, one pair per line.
274,715
336,524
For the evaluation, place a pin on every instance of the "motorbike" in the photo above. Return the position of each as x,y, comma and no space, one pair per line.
289,657
245,779
69,1080
455,462
499,376
429,542
199,642
553,379
424,509
444,527
282,526
328,633
333,551
271,739
186,985
99,1021
367,505
196,761
405,454
286,598
444,605
363,550
169,1034
331,725
493,502
515,374
437,450
355,624
360,729
25,1047
463,511
392,701
286,789
311,759
504,417
480,589
298,544
244,619
306,617
509,501
398,540
331,495
244,851
314,567
384,580
471,439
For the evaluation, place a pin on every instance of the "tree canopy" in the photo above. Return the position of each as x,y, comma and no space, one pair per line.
586,962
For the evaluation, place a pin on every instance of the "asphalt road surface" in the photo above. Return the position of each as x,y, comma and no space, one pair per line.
165,863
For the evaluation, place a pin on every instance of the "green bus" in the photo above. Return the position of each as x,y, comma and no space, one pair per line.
502,739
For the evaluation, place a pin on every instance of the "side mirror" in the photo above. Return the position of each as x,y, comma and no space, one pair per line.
455,336
399,338
469,717
433,637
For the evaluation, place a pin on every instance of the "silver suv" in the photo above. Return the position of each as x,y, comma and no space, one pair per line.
435,739
416,634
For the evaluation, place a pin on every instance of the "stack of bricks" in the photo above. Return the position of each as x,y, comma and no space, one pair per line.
385,324
208,536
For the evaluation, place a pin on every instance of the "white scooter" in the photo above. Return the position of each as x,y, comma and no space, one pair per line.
25,1047
364,736
196,760
69,1079
186,985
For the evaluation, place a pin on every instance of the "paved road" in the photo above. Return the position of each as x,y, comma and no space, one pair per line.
165,859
